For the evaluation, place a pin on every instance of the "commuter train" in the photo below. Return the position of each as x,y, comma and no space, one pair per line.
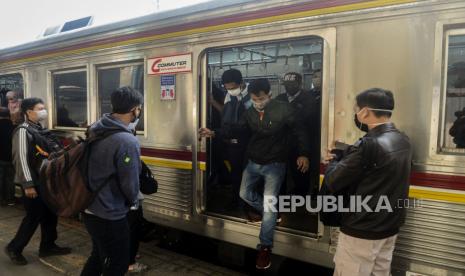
414,48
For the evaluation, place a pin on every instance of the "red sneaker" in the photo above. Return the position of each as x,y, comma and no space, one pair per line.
263,258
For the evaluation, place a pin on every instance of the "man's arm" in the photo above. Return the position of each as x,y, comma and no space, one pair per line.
128,168
24,170
228,131
298,130
341,174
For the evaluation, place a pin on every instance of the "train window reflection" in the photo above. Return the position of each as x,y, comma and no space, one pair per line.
70,98
11,95
110,78
227,157
454,125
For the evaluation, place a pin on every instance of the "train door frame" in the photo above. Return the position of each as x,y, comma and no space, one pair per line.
328,36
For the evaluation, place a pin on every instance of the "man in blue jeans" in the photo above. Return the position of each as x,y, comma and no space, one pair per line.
269,122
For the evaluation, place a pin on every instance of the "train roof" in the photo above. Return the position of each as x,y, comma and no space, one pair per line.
205,17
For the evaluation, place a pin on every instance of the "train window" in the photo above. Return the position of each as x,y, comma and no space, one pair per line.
70,98
270,60
11,94
454,116
112,77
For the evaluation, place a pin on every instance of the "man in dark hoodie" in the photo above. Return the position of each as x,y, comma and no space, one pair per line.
115,160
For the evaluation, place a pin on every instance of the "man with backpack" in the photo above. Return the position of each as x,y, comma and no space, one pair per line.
114,167
33,143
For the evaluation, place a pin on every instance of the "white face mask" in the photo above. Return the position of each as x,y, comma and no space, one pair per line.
133,125
41,114
260,106
235,92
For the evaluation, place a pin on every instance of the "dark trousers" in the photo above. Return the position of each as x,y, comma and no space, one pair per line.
7,186
110,246
302,181
36,213
236,157
135,218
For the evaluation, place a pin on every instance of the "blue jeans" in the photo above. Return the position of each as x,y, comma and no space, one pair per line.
273,176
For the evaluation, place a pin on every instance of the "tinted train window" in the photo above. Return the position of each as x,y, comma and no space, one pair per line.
110,78
454,116
11,94
227,157
70,99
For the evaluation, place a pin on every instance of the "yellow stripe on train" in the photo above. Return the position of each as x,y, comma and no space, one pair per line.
415,191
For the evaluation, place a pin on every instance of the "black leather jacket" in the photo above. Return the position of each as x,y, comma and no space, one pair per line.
377,165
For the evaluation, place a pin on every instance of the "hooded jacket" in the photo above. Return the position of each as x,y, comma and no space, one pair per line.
116,161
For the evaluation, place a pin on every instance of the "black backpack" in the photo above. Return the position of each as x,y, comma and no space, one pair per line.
148,183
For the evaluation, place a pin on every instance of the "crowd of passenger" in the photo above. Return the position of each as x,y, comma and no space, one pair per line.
265,138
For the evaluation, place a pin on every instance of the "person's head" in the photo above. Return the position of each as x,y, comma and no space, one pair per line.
259,90
12,96
4,113
232,81
34,109
316,79
373,107
126,103
292,83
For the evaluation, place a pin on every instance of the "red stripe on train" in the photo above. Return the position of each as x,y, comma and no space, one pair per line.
432,180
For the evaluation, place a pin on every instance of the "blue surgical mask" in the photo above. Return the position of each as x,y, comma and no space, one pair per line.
133,125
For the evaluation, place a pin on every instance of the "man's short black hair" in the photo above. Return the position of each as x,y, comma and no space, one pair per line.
124,99
4,112
29,104
376,98
232,75
258,85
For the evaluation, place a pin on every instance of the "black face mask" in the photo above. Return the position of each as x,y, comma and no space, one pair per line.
363,127
292,89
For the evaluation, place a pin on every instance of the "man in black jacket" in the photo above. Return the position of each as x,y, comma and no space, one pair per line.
377,166
269,123
307,106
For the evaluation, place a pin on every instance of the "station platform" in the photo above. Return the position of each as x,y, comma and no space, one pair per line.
72,233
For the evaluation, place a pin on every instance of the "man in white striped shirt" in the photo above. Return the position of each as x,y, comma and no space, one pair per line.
31,144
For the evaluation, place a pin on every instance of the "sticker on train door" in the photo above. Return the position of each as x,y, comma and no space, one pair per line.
168,87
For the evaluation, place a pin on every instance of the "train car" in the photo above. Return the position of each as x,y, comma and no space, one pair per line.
176,58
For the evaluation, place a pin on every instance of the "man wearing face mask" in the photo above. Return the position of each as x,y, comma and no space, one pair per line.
269,122
31,144
378,165
307,107
236,102
115,162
